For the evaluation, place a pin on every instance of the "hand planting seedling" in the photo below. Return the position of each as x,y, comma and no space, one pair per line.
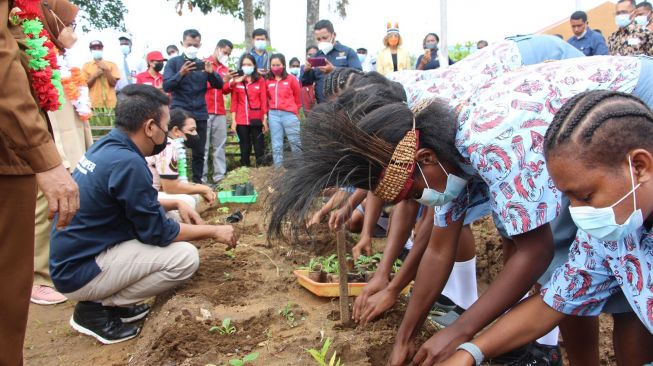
247,359
288,314
321,356
225,329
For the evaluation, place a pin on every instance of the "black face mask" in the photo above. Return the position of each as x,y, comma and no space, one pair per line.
159,147
158,66
192,141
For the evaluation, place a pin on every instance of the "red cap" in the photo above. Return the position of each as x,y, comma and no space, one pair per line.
155,56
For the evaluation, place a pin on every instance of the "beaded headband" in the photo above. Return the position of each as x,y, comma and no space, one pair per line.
397,178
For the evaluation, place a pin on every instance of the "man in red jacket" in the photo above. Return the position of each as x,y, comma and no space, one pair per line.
216,128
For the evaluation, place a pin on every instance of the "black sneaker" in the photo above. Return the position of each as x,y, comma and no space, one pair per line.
101,322
541,355
511,358
130,314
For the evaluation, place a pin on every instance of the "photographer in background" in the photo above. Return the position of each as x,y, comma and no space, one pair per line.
185,78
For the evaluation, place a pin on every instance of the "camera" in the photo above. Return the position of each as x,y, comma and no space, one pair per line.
199,65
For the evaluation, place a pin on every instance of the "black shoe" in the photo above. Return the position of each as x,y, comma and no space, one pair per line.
541,355
101,322
511,358
130,314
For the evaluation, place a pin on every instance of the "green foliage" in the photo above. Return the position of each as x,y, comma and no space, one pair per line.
237,176
247,359
460,51
225,329
287,313
396,266
330,264
231,253
227,7
366,263
223,210
321,356
102,14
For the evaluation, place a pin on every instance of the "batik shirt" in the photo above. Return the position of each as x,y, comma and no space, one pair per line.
631,41
458,81
501,132
597,269
164,165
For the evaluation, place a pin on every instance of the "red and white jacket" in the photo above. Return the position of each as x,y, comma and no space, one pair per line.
284,94
215,97
248,109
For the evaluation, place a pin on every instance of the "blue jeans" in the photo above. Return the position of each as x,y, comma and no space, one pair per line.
283,122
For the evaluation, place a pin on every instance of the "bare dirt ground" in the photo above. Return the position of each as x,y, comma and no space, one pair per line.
250,289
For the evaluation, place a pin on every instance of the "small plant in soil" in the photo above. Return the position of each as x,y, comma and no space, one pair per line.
227,276
223,210
396,266
225,329
231,253
247,359
321,356
288,314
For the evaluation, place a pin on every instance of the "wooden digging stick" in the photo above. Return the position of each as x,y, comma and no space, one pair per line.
344,285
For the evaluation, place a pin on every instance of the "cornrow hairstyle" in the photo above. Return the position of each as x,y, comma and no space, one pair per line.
348,142
336,81
601,126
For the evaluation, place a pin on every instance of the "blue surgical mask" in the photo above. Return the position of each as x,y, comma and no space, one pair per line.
622,20
294,70
248,70
641,20
260,44
97,54
361,57
601,223
125,49
432,198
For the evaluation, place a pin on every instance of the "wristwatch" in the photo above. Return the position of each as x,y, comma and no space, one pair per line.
473,350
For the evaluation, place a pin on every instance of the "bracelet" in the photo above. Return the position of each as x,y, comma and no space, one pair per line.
473,350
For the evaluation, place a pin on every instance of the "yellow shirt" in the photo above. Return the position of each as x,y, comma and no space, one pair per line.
101,93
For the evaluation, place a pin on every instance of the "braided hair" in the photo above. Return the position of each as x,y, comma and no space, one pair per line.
603,124
339,79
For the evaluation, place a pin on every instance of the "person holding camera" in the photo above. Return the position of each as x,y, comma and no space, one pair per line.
185,78
249,109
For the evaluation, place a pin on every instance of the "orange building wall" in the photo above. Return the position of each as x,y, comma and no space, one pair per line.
600,17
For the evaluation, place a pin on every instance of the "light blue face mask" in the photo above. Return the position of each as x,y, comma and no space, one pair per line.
622,20
431,197
601,223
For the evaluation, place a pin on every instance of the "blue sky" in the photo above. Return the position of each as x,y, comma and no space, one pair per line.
155,24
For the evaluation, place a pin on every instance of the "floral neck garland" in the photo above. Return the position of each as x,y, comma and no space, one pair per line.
43,68
76,90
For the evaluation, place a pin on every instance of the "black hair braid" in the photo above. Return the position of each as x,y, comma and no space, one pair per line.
591,114
327,85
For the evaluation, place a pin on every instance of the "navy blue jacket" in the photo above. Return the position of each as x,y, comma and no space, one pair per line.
591,44
339,56
188,91
434,63
117,203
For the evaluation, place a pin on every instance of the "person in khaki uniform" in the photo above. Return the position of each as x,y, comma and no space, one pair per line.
28,157
101,76
72,137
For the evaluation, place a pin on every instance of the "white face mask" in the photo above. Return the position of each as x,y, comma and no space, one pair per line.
601,223
191,52
260,44
125,49
325,47
641,20
223,59
248,70
172,54
432,198
622,20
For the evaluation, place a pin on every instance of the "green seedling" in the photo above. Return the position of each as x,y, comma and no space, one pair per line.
247,359
396,266
231,253
227,276
223,210
330,264
315,264
321,356
288,314
225,329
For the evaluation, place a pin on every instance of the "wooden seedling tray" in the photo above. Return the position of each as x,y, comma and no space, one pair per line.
330,289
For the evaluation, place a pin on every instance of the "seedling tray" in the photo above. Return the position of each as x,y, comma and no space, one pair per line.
228,197
330,289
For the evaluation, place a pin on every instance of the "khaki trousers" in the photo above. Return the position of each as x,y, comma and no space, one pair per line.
133,272
42,229
17,204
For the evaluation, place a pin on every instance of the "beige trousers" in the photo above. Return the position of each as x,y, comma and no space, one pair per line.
42,228
132,272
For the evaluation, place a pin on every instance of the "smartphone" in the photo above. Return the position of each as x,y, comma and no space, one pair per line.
317,61
240,72
199,65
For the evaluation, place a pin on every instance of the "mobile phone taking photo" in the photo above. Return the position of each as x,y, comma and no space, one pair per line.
317,61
